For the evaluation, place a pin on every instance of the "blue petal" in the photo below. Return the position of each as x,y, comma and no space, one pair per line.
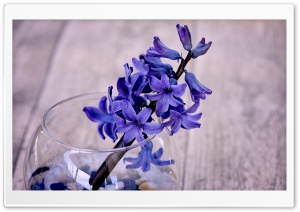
139,135
162,105
193,108
154,97
169,123
139,101
146,152
125,128
178,90
141,88
140,66
157,155
153,53
155,62
95,115
201,48
176,126
165,81
108,128
163,163
152,128
135,165
172,101
122,87
131,160
164,50
146,166
197,89
194,117
157,72
102,105
175,114
100,130
165,115
128,111
117,105
156,85
128,71
130,135
203,88
187,124
173,81
185,36
143,115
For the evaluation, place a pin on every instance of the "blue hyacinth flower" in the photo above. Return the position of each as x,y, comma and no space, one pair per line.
135,124
145,157
181,118
185,36
166,93
197,89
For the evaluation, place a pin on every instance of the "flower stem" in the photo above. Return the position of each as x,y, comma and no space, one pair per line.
182,65
111,161
108,165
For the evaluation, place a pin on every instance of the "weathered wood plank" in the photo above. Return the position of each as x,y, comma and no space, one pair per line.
33,42
241,144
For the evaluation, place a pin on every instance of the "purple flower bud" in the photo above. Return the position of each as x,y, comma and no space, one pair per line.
201,48
185,36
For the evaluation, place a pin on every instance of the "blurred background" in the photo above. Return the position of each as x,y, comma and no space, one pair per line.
241,144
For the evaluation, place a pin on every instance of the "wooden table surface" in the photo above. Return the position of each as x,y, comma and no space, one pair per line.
241,144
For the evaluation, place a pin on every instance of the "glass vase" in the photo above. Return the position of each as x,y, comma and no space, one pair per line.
65,151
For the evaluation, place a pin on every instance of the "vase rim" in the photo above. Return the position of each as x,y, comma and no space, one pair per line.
81,149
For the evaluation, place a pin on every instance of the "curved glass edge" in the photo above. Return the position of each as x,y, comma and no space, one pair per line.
80,149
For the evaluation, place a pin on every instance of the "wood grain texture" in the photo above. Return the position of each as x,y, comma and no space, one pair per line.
241,144
33,45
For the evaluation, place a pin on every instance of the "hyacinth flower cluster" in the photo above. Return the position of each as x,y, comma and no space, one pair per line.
152,88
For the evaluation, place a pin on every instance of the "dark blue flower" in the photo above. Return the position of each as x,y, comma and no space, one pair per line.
182,118
135,124
166,93
146,157
185,36
161,50
198,90
201,48
104,119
